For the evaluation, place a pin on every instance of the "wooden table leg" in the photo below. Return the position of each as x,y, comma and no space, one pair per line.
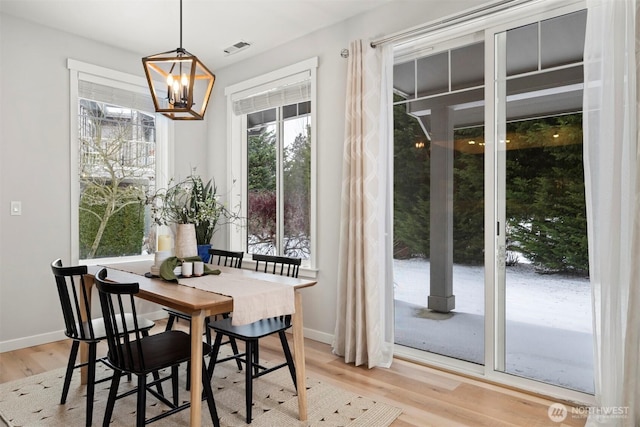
299,358
197,322
84,358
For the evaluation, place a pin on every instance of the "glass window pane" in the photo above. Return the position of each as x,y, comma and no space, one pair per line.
541,188
467,66
522,49
433,74
279,166
261,117
439,224
546,93
547,285
304,108
297,187
290,111
562,39
262,190
117,169
404,79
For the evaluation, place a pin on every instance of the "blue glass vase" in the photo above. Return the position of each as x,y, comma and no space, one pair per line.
203,252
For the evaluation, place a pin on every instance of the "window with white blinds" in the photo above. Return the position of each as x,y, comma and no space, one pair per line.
273,162
119,148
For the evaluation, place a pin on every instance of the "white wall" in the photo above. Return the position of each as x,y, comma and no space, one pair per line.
35,162
34,138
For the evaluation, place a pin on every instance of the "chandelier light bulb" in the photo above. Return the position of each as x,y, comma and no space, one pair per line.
176,90
185,89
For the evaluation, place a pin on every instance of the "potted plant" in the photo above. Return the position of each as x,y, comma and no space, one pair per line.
194,203
207,212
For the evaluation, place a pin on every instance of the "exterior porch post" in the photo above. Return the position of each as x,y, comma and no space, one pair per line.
441,298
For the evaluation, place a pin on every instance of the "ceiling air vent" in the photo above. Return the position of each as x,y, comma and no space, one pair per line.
241,45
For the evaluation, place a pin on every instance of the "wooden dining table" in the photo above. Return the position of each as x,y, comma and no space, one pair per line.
200,304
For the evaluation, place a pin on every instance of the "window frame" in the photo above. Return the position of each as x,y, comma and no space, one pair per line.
78,71
237,150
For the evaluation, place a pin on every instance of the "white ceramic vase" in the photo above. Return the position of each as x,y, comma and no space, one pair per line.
185,241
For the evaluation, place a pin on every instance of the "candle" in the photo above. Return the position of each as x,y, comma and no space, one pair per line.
176,91
185,87
164,242
169,88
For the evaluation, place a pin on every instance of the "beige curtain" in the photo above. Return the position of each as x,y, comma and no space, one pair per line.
364,323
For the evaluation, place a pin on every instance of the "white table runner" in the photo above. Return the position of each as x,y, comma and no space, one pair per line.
253,299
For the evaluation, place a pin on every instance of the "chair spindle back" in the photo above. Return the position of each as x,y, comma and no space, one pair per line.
116,299
227,258
74,300
292,265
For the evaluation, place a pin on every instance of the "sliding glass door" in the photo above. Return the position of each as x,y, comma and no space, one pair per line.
544,292
439,202
490,247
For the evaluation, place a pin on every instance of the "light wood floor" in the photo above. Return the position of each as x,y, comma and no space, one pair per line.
427,397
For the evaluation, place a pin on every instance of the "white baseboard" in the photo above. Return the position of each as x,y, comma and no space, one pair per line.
48,337
25,342
319,336
19,343
30,341
155,315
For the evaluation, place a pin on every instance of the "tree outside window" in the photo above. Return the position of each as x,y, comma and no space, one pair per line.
546,217
279,181
117,168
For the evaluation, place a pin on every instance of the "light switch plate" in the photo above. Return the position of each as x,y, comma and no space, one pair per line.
16,207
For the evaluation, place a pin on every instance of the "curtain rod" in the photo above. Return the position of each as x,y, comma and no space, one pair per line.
478,12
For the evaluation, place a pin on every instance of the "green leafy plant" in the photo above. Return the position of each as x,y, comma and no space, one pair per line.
191,201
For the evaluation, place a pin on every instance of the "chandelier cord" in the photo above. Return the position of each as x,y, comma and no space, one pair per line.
180,24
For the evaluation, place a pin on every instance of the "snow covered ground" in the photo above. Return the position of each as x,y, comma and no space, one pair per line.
548,331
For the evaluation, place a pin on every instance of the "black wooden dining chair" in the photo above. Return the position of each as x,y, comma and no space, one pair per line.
226,258
250,334
73,291
130,351
282,265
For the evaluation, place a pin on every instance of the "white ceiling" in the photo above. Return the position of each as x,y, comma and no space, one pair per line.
209,26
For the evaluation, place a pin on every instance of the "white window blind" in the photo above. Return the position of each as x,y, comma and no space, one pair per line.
115,96
278,96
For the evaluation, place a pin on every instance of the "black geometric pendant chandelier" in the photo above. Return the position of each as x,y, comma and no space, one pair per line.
179,83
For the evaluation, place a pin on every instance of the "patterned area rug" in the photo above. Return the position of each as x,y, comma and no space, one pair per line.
35,401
